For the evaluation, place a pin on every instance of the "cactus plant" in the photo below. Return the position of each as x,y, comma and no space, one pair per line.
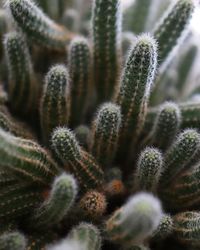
99,125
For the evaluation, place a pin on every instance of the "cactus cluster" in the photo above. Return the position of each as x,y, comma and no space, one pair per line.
99,125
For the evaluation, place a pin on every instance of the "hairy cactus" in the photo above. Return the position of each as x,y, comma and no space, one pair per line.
99,123
135,221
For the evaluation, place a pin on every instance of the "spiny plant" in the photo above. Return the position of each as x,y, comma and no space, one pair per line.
99,125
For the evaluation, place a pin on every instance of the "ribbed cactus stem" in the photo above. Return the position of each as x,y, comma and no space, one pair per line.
12,241
18,199
185,189
26,159
149,170
105,133
15,127
81,163
135,221
169,31
22,87
37,26
106,26
186,228
180,154
55,102
134,90
56,206
80,69
166,125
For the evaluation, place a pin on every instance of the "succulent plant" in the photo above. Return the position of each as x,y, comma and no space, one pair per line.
99,126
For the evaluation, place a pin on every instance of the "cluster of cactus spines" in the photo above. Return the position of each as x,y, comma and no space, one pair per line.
135,221
106,127
135,86
37,26
12,241
170,29
88,173
55,102
106,21
132,169
148,170
22,87
80,74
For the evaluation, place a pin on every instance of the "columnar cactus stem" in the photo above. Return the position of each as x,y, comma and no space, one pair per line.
166,125
185,190
179,154
15,127
149,169
135,16
80,73
134,90
105,133
55,102
106,27
82,164
135,221
164,229
170,29
37,26
26,159
60,200
12,241
190,116
22,88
